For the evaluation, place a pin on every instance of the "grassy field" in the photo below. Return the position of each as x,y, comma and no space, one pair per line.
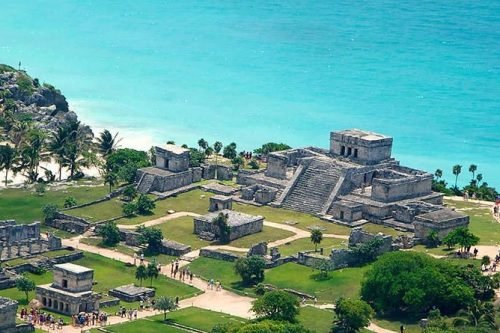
193,317
305,244
25,206
317,320
345,282
97,241
376,228
196,201
302,220
482,223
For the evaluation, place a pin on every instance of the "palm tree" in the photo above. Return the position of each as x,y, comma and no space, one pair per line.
480,314
316,237
77,142
110,178
9,160
152,271
457,169
141,273
203,144
33,152
479,178
107,143
57,145
438,174
217,148
473,168
165,304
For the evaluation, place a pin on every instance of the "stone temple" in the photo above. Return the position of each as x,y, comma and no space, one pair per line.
241,224
71,291
354,182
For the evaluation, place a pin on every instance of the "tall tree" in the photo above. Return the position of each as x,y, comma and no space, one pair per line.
316,237
107,143
217,148
78,142
479,178
33,152
277,305
9,160
165,304
110,178
141,273
25,285
152,271
57,145
202,144
472,169
457,169
352,314
438,174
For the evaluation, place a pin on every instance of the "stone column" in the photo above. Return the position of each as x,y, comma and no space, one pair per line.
9,251
19,245
30,247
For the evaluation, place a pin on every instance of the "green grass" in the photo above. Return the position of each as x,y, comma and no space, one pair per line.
25,206
482,222
317,320
305,244
98,212
268,234
280,215
57,253
94,241
193,317
411,324
345,282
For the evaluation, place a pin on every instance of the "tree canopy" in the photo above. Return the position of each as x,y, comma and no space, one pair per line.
277,305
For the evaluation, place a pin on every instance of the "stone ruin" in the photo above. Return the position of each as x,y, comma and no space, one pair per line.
8,315
71,290
353,182
22,240
69,223
220,202
259,249
241,224
220,189
132,293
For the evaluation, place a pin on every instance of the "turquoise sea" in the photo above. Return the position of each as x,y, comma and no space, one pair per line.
425,72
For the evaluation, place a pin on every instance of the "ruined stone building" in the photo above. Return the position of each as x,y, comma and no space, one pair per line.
71,290
355,181
8,312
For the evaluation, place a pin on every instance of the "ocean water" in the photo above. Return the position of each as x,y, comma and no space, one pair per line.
426,73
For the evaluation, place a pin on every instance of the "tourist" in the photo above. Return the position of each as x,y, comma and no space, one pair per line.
217,286
135,313
475,252
60,323
124,312
494,267
177,300
190,277
142,258
135,259
401,329
141,305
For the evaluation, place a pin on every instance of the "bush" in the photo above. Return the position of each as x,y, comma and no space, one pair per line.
250,269
145,205
40,188
49,212
352,314
277,305
110,234
152,237
129,208
69,202
432,239
260,289
130,193
254,164
125,162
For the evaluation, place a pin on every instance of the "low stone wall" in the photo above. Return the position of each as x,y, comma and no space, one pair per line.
218,254
311,259
32,267
109,302
7,283
359,236
280,261
69,223
67,258
172,248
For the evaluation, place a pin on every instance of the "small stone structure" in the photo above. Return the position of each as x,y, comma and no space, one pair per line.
261,194
130,237
259,249
223,172
171,171
72,224
220,202
219,255
241,224
172,248
71,290
8,312
132,293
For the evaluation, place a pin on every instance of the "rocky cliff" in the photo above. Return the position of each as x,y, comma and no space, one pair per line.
27,98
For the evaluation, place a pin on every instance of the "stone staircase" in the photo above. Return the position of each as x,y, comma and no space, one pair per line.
145,183
313,188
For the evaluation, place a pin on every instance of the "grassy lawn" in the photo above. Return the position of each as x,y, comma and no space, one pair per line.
305,244
482,223
100,211
196,201
268,234
345,282
25,206
94,241
57,253
196,318
280,215
317,320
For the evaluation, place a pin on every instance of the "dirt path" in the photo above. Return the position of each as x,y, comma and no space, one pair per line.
157,221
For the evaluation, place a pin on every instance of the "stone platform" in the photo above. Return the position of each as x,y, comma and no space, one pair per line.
132,293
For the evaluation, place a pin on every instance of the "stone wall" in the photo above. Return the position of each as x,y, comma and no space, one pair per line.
10,232
8,310
109,303
219,255
237,231
359,236
359,149
311,259
173,248
223,172
276,166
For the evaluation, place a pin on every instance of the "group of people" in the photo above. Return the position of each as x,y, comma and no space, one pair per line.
35,317
89,319
183,273
130,313
211,283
